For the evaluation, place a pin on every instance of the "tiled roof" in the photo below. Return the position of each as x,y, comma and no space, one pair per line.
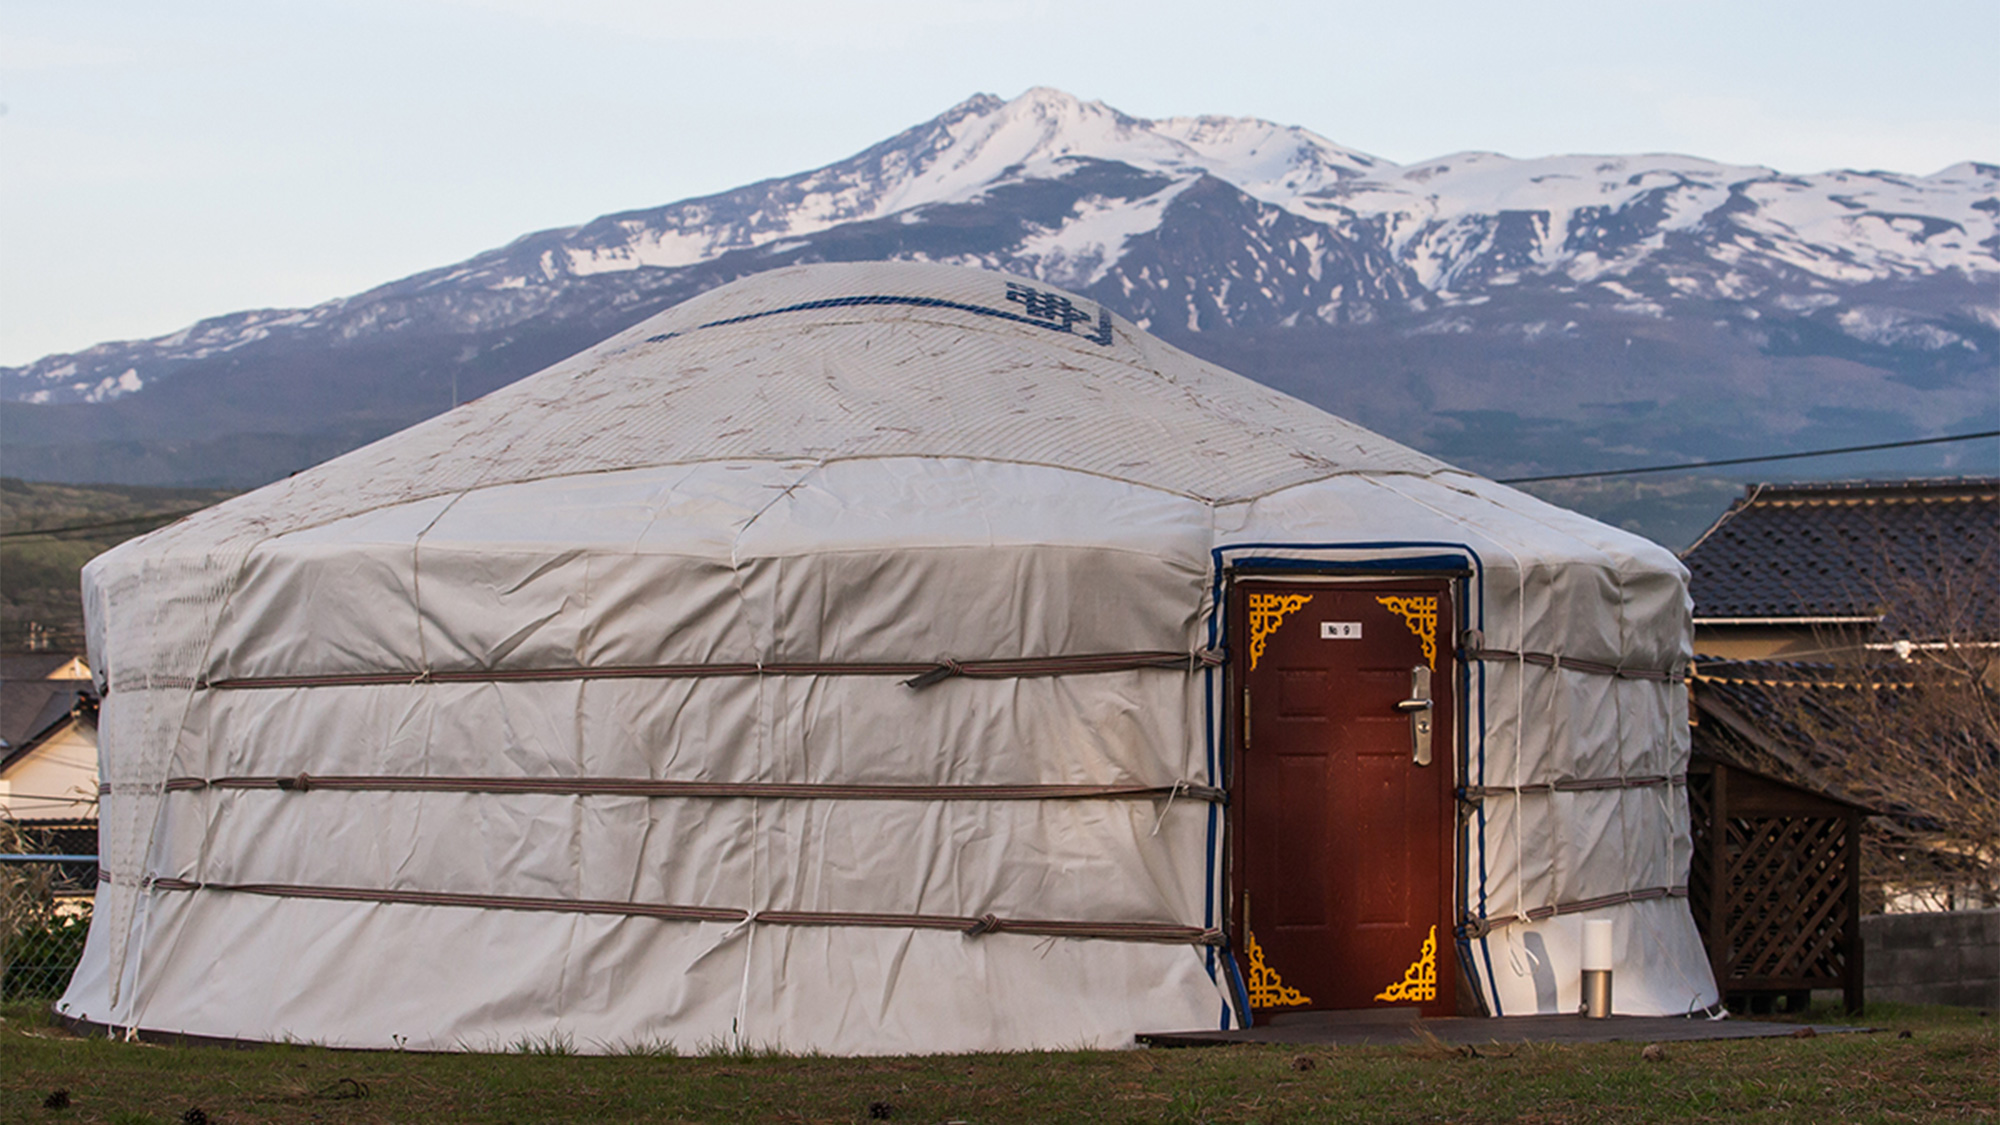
30,707
1850,548
32,665
1741,717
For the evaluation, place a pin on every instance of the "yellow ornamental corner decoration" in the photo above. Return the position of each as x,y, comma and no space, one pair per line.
1267,612
1266,989
1421,615
1420,982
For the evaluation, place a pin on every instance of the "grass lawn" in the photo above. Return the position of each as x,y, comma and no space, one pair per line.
1948,1069
39,572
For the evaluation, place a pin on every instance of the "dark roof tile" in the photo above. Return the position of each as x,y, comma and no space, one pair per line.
29,707
1848,549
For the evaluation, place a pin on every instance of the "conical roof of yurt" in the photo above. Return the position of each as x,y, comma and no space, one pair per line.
832,662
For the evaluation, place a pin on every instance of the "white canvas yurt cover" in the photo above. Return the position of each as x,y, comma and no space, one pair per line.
851,659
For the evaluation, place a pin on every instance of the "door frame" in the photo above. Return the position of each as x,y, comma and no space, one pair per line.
1236,582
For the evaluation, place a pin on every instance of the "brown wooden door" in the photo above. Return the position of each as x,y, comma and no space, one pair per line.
1343,845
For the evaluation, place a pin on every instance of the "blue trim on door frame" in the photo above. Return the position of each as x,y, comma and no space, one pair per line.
1219,563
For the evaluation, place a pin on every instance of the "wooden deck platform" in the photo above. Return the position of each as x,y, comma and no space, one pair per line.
1357,1028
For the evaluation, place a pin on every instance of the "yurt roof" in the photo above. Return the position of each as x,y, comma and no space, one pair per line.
825,363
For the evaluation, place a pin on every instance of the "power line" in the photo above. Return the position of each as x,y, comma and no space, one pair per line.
165,517
128,521
1755,460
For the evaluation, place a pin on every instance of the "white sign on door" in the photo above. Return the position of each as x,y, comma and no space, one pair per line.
1340,630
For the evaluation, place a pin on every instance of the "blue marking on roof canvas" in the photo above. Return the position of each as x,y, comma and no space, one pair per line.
1103,333
1059,313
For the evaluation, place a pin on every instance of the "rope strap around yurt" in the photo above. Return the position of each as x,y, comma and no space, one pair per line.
920,674
1471,929
649,787
1473,647
1570,785
1157,932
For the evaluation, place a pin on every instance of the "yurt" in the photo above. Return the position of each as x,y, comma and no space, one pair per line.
880,658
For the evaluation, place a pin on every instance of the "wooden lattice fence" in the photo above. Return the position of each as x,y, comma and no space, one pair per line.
1775,886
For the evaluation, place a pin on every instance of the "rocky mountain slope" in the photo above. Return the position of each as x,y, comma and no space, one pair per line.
1513,315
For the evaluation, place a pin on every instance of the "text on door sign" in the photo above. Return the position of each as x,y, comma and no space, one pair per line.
1340,630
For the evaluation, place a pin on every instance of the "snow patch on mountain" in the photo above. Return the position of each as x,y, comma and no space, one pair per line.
971,149
663,249
1083,249
111,387
1894,328
1363,237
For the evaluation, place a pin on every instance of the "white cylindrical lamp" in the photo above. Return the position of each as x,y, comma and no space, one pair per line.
1597,958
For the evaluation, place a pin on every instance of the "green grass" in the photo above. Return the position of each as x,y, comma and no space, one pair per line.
39,574
1948,1070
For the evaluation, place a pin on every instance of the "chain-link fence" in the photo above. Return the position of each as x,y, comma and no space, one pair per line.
45,904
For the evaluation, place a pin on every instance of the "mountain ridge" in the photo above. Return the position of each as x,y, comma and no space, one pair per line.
1537,315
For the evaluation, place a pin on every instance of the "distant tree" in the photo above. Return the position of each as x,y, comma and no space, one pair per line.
1906,720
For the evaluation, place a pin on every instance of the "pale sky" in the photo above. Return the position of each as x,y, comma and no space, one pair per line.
164,162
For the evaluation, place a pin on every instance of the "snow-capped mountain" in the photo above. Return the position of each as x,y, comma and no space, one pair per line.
1509,313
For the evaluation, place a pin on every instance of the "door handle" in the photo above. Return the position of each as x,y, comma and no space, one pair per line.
1418,707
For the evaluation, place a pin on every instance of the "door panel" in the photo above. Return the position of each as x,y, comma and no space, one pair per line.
1304,814
1381,813
1342,845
